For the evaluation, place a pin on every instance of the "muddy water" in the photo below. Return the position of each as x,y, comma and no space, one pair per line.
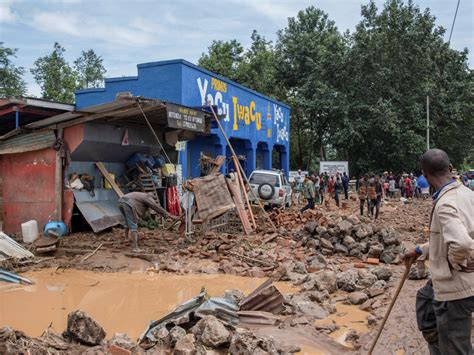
120,302
348,318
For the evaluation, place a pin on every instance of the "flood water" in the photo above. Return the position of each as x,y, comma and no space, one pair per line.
119,302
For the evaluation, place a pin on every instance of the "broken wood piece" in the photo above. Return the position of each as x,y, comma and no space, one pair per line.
263,262
91,254
109,179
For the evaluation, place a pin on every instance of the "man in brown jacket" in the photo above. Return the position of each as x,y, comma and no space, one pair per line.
133,207
445,305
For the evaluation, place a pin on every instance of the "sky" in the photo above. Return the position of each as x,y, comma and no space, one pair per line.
128,32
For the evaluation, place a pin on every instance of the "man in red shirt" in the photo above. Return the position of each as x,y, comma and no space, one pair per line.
407,187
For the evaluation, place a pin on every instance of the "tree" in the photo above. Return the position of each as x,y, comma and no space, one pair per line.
310,53
89,70
11,76
55,77
396,58
223,58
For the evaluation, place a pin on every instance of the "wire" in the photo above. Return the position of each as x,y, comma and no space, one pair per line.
154,133
454,21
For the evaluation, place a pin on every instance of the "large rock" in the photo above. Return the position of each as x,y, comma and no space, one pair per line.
375,251
176,333
349,242
357,297
390,237
311,227
185,345
234,295
82,328
345,227
363,231
353,219
122,340
383,273
366,279
319,297
211,332
325,280
347,281
341,249
312,309
245,342
326,244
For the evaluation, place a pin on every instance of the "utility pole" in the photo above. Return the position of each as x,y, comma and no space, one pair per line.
427,122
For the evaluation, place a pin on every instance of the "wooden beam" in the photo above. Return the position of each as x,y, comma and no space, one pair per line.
107,176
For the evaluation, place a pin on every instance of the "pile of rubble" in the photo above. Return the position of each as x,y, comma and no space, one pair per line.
348,236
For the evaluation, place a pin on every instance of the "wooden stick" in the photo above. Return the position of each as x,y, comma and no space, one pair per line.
91,254
107,177
389,309
240,166
241,183
263,262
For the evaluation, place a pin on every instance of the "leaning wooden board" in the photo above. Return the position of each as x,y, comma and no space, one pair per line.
111,181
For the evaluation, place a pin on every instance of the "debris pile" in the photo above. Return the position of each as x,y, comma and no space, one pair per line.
349,237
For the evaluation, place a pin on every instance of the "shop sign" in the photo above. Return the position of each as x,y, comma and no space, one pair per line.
185,118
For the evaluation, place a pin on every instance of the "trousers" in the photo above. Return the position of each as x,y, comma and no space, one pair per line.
310,204
445,325
127,212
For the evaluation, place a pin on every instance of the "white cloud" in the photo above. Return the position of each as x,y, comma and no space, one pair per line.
132,34
6,13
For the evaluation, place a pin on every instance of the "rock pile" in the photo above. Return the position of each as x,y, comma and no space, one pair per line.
348,236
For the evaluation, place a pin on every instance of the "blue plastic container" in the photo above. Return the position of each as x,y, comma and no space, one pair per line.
150,162
159,161
135,159
58,228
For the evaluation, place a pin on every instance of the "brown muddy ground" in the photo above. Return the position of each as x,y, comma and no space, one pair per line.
166,254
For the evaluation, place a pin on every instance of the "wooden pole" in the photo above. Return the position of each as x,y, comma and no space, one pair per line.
241,183
239,167
58,182
389,309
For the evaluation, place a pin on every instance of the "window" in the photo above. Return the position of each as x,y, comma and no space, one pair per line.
261,178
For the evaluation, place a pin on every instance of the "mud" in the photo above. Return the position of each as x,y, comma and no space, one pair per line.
119,302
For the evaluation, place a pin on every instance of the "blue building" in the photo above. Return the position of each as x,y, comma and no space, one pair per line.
257,125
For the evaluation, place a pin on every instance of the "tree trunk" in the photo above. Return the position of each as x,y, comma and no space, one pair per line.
300,145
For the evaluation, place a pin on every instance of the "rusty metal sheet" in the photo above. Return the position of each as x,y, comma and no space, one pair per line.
257,317
27,142
265,298
9,248
100,211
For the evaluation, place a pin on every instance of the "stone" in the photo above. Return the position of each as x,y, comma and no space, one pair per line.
123,340
325,280
211,332
327,252
307,286
388,257
418,271
353,219
245,342
375,251
341,249
162,334
326,244
347,281
313,244
383,273
185,345
319,296
311,309
371,319
366,278
390,237
85,330
319,261
321,230
345,227
356,252
298,321
349,242
311,227
373,292
234,295
330,307
357,297
363,231
366,306
327,327
376,304
175,334
300,267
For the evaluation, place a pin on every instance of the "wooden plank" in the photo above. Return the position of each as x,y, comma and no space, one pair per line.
111,181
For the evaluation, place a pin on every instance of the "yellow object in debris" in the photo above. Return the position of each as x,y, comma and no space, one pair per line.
168,169
106,183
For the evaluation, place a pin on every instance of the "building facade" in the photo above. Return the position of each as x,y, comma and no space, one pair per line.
256,125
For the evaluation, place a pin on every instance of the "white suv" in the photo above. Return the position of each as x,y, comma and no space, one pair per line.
271,188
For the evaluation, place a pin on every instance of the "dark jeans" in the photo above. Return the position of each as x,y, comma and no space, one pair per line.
310,204
130,220
336,197
446,326
346,192
374,204
362,203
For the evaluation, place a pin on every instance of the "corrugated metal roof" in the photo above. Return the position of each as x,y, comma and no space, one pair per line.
11,249
265,298
28,142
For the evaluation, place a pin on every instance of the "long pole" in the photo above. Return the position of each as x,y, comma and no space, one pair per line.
389,309
427,122
239,166
241,183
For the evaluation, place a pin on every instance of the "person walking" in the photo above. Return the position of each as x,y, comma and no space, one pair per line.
309,193
374,193
317,189
345,185
391,187
445,305
133,207
337,188
362,193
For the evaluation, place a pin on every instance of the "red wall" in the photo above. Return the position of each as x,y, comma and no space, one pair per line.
28,188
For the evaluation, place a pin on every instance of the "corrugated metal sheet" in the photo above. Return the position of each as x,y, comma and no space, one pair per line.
265,298
28,142
11,249
100,211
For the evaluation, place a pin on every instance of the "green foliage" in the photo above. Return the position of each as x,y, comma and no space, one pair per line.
11,76
55,77
89,70
362,96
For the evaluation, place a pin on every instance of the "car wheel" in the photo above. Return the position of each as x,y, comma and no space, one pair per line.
289,203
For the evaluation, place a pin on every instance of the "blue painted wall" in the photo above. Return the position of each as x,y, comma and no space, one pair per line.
256,124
